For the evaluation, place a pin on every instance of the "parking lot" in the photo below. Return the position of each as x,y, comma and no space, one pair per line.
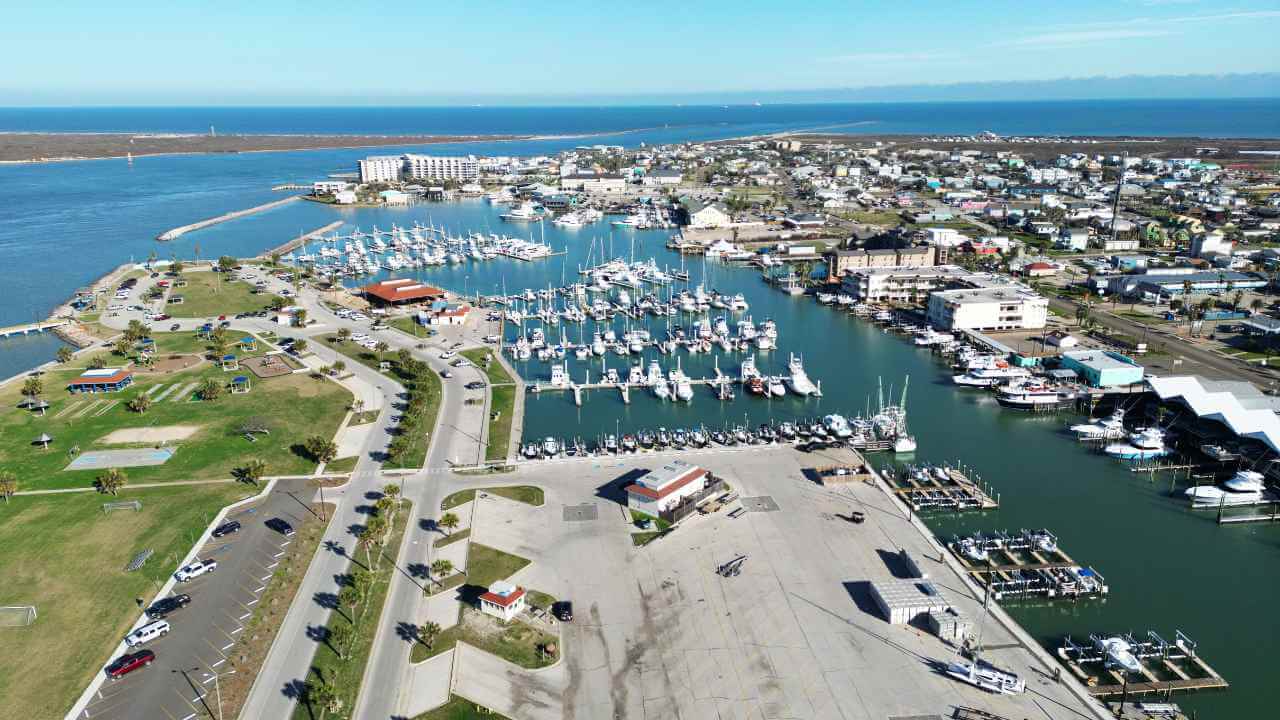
658,633
180,684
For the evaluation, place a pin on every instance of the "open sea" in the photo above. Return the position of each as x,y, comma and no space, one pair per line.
62,225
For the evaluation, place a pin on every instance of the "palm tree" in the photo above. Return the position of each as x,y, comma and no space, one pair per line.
300,347
64,354
323,696
339,367
1256,305
381,348
344,334
8,484
448,521
135,331
441,569
349,597
176,266
210,389
428,633
140,404
321,449
253,470
341,635
122,347
366,538
300,317
111,481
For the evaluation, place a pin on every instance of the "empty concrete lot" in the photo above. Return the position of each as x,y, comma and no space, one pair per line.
659,634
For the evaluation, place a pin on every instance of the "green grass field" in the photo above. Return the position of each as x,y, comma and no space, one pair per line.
209,294
460,708
294,407
62,554
496,372
502,402
527,494
345,675
409,326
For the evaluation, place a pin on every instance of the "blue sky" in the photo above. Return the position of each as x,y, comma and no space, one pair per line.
270,52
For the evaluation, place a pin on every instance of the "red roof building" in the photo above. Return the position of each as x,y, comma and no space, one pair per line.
503,600
654,493
403,290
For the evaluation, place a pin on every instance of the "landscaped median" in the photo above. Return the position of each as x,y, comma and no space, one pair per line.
337,668
527,494
502,402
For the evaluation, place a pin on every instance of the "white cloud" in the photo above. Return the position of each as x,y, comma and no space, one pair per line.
1081,37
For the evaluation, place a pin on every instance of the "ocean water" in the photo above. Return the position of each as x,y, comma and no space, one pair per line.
1209,118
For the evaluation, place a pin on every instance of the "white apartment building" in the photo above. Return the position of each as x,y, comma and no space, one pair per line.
381,169
442,167
899,284
985,309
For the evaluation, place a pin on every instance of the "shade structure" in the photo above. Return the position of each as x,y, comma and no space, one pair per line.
44,440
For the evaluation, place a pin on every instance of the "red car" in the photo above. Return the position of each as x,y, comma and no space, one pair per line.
126,664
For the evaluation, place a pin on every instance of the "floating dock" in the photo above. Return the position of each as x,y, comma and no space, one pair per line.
940,487
1027,563
1162,667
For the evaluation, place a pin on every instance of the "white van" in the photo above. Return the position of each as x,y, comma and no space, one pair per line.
147,633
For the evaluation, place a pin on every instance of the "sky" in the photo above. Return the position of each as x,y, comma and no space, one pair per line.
278,52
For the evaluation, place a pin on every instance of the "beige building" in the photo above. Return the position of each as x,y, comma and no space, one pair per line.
840,262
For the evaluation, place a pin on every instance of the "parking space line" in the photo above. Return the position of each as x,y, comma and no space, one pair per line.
264,578
224,647
245,615
255,592
251,602
272,565
278,554
285,544
239,629
185,718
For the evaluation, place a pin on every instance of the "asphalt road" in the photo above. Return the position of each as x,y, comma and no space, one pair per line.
181,680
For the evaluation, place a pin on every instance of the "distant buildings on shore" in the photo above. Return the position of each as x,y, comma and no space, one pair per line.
393,168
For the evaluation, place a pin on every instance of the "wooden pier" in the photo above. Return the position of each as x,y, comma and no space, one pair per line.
926,490
1164,668
28,328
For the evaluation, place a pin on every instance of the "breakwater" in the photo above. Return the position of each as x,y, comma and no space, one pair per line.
184,229
298,241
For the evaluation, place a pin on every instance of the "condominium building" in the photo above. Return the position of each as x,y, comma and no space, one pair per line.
898,284
381,169
442,167
985,309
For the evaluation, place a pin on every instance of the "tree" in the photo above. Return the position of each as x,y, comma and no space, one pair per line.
218,343
275,258
175,266
135,331
33,386
1256,305
226,262
428,633
140,404
1236,298
366,539
385,506
403,356
391,490
300,347
278,303
324,697
344,334
300,317
441,568
349,597
381,348
210,389
362,581
122,346
377,528
341,634
449,521
322,450
97,362
111,481
357,406
64,354
339,367
253,471
8,484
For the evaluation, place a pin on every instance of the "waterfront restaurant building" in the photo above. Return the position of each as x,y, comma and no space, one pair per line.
402,291
662,489
503,601
1101,369
101,381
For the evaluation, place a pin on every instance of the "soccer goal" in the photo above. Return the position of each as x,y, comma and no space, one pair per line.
17,615
135,505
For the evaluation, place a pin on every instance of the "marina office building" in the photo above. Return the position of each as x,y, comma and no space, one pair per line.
984,309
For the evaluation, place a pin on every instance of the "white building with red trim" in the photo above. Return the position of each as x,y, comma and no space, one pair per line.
664,488
503,600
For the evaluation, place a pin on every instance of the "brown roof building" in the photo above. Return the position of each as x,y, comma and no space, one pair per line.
400,292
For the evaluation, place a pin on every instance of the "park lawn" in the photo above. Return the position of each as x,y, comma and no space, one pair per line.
874,217
410,326
486,565
460,708
501,409
451,538
496,372
294,407
210,294
342,465
527,494
345,675
62,554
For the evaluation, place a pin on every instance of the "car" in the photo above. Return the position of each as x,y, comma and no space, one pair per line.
475,385
447,354
164,606
224,323
195,569
174,327
147,633
226,528
164,316
281,526
491,339
446,374
222,317
126,664
155,274
459,362
644,523
563,610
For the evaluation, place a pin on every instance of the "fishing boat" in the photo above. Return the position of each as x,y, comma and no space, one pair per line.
776,386
1106,428
1143,444
799,380
524,212
1246,487
986,677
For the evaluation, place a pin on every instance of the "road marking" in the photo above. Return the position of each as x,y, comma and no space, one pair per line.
198,698
264,578
285,543
272,565
278,554
253,601
245,615
207,680
239,629
222,660
255,592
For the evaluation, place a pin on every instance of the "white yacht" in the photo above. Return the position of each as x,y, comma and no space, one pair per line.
559,375
987,377
1108,427
525,212
597,344
748,370
738,303
776,386
986,677
799,380
837,425
1119,654
1245,488
1143,444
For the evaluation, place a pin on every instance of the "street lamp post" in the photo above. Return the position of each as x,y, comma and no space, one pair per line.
217,689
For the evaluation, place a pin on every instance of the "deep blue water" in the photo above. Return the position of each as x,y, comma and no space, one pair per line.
1210,118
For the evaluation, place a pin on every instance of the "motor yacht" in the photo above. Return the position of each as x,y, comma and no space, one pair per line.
550,447
837,425
1106,428
1246,487
1119,654
799,380
1143,444
525,212
776,387
986,677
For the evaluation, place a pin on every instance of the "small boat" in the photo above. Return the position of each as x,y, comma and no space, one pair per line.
1144,444
629,442
664,437
787,431
1119,654
679,439
646,439
550,447
719,437
776,387
611,443
986,677
698,438
530,451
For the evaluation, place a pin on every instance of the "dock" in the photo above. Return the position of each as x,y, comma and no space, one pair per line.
28,328
941,487
177,232
1163,667
301,239
1027,563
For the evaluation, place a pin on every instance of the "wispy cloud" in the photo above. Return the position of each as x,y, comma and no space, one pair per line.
1080,37
884,58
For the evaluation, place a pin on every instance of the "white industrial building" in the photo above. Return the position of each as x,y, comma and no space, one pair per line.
997,308
442,167
664,488
904,601
381,169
